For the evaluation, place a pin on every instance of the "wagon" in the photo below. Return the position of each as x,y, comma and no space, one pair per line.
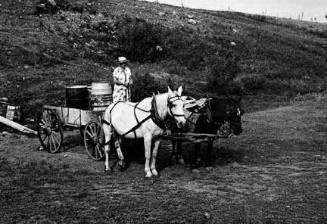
53,120
84,109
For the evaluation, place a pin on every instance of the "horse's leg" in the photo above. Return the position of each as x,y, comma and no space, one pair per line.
209,152
179,158
147,153
154,157
108,134
121,162
196,159
173,142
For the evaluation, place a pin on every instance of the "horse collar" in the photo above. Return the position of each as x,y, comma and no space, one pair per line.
155,115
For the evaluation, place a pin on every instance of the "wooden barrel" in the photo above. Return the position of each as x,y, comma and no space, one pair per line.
101,96
77,97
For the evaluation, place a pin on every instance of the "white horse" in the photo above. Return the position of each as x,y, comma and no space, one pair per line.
145,119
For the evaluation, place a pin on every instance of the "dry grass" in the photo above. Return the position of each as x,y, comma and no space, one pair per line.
275,172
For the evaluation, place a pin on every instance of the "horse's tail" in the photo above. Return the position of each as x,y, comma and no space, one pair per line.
106,116
106,125
110,135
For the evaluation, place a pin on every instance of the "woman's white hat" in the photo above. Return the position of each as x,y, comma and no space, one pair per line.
122,60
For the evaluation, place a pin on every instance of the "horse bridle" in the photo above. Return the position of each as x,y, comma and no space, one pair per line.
170,102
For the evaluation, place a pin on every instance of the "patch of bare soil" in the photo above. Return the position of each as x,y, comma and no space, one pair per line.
275,172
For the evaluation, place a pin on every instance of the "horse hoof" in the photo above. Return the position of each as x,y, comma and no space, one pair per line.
122,166
154,172
148,175
108,171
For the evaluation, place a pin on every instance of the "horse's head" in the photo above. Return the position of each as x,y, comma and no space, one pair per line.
226,116
175,105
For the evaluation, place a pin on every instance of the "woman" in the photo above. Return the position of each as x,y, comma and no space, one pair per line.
122,80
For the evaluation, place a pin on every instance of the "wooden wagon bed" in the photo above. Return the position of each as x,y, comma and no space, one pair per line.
53,119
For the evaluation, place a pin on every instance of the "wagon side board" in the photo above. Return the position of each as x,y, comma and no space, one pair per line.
73,116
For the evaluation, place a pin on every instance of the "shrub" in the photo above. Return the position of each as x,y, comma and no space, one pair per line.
254,82
145,85
222,74
142,41
189,52
138,40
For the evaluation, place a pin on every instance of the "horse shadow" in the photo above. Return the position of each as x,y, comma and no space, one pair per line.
225,156
133,151
217,156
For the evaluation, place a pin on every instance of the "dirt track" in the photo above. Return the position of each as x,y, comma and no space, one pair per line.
275,172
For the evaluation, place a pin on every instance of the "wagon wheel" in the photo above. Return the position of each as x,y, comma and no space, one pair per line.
50,131
94,140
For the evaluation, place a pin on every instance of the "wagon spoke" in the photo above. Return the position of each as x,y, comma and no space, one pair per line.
93,128
98,131
56,138
48,140
88,139
99,152
53,145
92,142
89,133
42,123
46,118
89,130
50,143
49,130
56,141
43,139
53,138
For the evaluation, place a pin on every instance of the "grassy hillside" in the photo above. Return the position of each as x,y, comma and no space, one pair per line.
264,59
275,172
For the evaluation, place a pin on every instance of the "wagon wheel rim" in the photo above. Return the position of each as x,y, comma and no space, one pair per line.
93,140
50,131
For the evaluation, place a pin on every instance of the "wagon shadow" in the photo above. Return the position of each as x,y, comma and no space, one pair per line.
72,140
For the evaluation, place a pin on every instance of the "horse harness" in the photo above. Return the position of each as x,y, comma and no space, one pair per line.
198,111
154,115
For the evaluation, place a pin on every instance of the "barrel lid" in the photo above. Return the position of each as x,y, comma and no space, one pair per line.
3,99
100,83
76,87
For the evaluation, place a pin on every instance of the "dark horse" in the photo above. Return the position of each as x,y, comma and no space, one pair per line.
220,116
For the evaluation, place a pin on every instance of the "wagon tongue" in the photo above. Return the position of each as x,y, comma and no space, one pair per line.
224,134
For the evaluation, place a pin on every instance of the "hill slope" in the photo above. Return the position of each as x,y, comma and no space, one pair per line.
41,52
